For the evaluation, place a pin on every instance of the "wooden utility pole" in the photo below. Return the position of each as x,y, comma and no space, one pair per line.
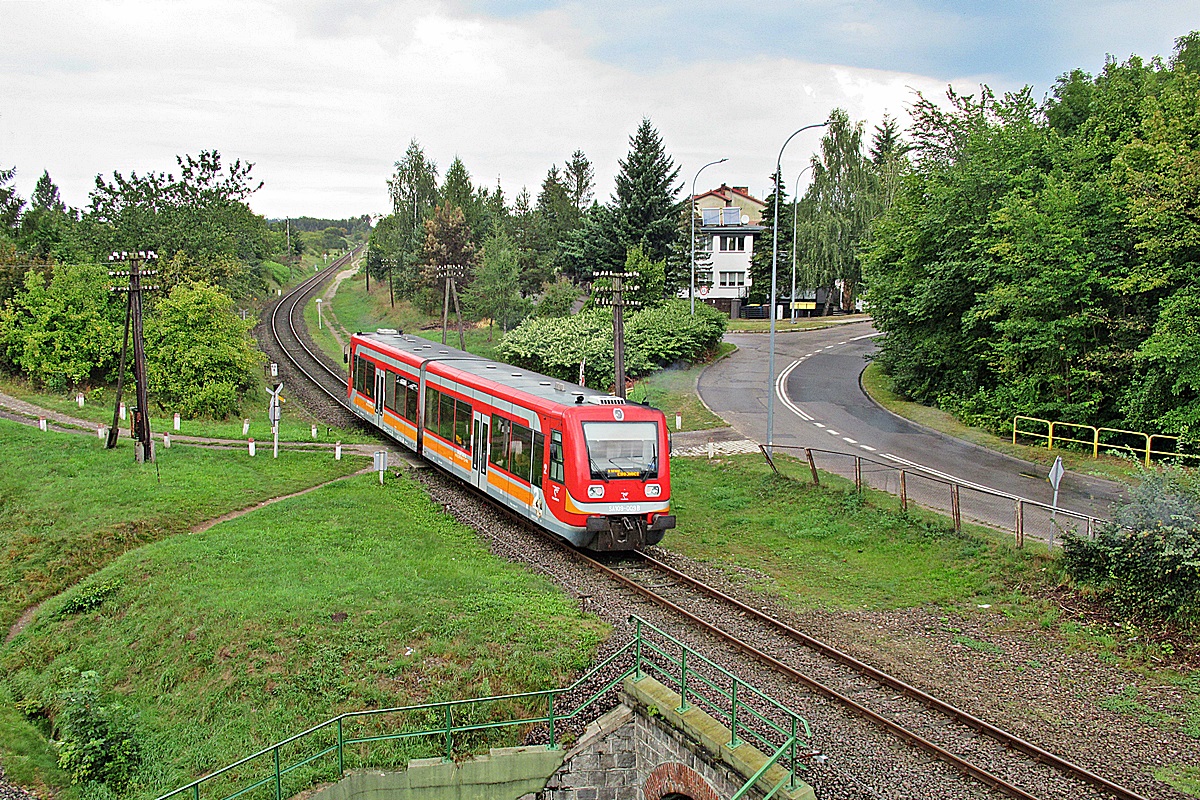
619,285
389,263
143,447
452,272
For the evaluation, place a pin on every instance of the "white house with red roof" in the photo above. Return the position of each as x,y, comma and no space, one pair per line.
728,225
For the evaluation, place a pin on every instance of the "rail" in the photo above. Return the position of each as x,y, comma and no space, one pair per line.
915,486
1145,450
750,713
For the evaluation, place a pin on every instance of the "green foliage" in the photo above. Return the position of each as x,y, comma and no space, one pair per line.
495,291
557,299
96,740
1147,562
1042,259
66,333
200,357
654,337
90,597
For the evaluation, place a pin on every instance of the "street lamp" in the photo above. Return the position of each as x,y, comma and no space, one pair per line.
693,214
795,209
774,274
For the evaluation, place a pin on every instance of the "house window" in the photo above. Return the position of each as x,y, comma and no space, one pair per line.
705,244
733,279
733,244
710,216
731,215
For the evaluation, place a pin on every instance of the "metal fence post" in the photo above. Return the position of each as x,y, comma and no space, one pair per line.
1050,438
903,492
449,732
551,715
792,782
812,465
683,703
733,737
341,751
278,783
637,669
767,456
858,474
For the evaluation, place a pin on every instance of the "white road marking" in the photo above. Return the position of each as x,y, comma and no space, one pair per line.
819,425
949,477
867,336
848,439
841,343
868,448
780,382
832,432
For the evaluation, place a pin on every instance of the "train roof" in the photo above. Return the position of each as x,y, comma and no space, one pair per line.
541,386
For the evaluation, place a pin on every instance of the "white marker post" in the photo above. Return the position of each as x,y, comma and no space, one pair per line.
42,423
381,464
320,324
122,411
678,420
245,427
79,400
251,444
314,432
273,414
337,452
176,420
166,441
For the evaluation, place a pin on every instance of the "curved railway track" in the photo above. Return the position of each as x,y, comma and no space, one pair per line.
968,744
302,360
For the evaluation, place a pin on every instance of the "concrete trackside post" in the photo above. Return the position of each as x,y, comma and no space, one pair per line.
245,427
251,446
42,424
337,452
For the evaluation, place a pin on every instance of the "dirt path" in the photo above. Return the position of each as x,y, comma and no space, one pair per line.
335,328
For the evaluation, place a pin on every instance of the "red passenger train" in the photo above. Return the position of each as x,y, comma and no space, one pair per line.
591,468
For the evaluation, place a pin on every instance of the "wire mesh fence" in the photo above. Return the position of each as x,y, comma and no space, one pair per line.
913,487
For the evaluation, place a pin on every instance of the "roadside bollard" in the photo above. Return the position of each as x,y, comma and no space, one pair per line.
245,427
177,421
166,441
42,423
251,443
337,452
314,432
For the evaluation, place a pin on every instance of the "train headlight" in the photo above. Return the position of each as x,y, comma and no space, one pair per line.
595,491
653,490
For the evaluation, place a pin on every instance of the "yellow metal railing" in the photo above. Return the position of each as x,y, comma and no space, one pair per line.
1052,432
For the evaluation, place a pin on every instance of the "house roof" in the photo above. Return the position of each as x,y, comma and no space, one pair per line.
728,194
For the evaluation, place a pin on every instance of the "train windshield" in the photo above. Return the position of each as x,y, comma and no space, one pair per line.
622,449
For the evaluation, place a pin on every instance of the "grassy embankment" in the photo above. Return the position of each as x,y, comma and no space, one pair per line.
801,323
880,388
349,597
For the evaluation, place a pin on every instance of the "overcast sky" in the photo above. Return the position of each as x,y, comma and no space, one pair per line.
324,97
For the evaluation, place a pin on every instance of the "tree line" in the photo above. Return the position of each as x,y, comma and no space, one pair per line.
60,325
1043,258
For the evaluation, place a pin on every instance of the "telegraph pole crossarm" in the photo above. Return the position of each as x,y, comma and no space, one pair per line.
620,285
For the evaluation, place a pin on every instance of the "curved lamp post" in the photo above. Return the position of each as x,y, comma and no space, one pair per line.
693,214
795,210
774,274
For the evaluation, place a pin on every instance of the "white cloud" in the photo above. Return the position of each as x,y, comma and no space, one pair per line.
324,97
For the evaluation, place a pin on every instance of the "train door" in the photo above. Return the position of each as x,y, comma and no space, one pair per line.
479,449
380,389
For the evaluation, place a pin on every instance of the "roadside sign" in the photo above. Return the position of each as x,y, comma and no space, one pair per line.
1055,476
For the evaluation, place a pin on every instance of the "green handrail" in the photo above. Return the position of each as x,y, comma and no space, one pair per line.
645,655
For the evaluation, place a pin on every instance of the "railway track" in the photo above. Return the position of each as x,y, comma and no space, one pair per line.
996,760
305,369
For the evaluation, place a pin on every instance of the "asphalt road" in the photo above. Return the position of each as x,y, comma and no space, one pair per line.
820,404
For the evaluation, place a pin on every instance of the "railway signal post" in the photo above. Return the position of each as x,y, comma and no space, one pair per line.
618,285
273,414
143,447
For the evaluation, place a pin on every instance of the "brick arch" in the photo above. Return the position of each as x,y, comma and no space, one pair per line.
677,779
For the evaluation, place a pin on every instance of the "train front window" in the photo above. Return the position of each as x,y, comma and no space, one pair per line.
622,449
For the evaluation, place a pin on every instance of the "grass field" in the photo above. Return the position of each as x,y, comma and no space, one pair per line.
822,547
801,323
674,391
262,626
69,506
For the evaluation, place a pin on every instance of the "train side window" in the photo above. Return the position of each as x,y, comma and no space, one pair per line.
446,418
369,380
410,403
462,424
499,442
432,396
556,456
389,391
520,449
355,372
539,447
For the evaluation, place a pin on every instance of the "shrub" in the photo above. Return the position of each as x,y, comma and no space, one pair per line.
1146,563
95,742
90,597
